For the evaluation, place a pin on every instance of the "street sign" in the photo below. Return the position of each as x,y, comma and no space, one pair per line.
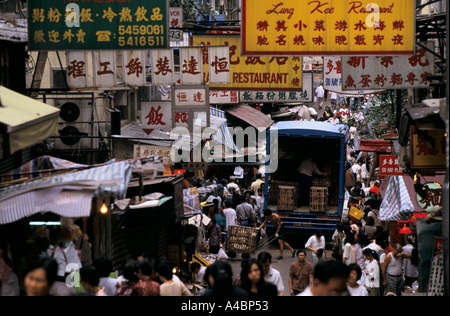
97,24
389,166
331,27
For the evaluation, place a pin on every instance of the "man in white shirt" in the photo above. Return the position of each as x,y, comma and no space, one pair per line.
320,92
307,168
230,215
271,275
232,184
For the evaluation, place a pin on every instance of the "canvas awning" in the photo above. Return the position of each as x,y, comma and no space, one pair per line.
396,202
376,145
26,120
250,115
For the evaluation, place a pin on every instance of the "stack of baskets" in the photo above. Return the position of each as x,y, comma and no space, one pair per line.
319,199
286,198
242,239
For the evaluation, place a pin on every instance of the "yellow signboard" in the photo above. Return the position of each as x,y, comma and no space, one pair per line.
428,148
328,27
253,73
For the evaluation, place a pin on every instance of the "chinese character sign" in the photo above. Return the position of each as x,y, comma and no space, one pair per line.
97,24
250,73
388,72
162,67
134,62
190,97
327,27
219,65
191,66
104,63
389,166
156,115
77,67
333,80
428,148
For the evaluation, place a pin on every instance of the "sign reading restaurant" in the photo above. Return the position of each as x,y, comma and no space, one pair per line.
328,27
97,24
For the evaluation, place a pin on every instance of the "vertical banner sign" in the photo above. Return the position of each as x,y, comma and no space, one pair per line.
162,67
219,65
328,27
97,24
176,24
251,73
191,65
77,67
333,81
156,115
133,62
104,66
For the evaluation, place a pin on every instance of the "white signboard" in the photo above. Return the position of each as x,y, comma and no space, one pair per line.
190,97
156,115
162,67
305,95
387,72
77,69
148,150
134,62
223,97
333,80
191,65
104,68
176,24
219,64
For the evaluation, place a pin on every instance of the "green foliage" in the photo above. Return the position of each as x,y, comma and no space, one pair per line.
192,10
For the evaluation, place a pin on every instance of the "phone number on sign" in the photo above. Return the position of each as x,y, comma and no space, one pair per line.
141,41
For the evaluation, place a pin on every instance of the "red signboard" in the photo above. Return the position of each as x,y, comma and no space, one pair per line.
389,166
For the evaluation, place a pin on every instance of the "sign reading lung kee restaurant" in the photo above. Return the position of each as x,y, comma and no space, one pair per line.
97,24
328,27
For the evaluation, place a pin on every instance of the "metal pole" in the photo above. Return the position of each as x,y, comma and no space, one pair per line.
445,210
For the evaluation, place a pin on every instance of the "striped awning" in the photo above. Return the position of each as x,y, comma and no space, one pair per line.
396,203
68,194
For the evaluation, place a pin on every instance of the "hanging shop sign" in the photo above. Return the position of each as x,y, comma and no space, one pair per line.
431,201
156,115
305,95
97,24
176,24
389,166
104,66
134,65
428,148
191,66
333,80
140,150
331,27
77,69
387,72
250,73
162,67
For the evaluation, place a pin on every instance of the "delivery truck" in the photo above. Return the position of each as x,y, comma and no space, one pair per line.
288,144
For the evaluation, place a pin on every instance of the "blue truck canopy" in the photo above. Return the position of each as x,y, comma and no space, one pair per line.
310,129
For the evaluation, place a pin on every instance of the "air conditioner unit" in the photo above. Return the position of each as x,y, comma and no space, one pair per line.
76,125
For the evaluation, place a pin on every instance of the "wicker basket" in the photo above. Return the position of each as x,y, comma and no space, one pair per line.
286,198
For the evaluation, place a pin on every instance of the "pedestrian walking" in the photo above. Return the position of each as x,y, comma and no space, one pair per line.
316,244
245,214
353,287
329,279
252,280
104,269
372,272
220,279
338,240
90,280
169,287
300,274
349,255
280,232
146,286
214,234
410,261
230,215
392,270
271,275
40,276
130,270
